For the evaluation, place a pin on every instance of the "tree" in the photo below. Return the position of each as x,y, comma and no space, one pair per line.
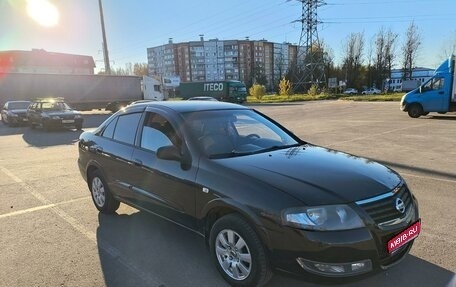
410,49
140,69
384,55
136,69
449,47
285,88
352,59
259,75
390,47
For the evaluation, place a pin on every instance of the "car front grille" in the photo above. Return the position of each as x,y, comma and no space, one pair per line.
383,209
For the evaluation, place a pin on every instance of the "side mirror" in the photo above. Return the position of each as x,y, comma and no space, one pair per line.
169,152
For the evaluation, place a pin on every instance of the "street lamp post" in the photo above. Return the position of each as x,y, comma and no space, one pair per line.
105,45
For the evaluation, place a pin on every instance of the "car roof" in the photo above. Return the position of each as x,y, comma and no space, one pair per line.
18,102
189,106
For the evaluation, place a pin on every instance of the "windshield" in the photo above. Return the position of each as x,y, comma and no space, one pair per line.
18,105
227,133
55,106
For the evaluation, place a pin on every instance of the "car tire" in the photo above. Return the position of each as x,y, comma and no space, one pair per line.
238,252
101,195
414,110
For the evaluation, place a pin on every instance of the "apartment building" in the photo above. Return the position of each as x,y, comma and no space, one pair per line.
211,60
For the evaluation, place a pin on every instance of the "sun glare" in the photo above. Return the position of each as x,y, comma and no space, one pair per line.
43,12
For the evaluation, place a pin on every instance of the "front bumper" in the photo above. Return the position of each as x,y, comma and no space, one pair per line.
63,123
340,253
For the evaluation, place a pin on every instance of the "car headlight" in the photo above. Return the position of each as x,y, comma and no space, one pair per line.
326,217
55,117
11,114
77,116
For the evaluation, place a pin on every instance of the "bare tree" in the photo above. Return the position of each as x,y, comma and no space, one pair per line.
384,55
390,48
140,69
352,58
449,47
136,69
410,49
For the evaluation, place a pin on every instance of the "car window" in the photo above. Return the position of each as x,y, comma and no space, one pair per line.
108,132
235,132
158,132
126,127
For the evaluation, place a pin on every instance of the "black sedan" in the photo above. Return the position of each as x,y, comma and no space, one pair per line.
262,198
51,113
15,112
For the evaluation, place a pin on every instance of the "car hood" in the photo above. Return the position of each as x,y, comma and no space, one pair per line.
317,175
62,113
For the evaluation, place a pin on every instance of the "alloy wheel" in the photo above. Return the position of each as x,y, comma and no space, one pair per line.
233,254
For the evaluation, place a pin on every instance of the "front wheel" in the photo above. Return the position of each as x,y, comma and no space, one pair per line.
415,111
101,195
238,252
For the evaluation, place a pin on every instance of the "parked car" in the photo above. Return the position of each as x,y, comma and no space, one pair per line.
372,91
351,91
51,113
202,99
15,112
261,197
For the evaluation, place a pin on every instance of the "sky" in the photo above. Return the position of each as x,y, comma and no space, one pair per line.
132,26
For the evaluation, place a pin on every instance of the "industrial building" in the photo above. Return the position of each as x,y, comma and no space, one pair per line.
419,74
39,61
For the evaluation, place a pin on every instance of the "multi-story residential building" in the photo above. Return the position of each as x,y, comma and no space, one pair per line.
43,62
215,59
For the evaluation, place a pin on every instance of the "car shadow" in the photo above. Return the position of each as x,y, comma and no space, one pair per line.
40,138
14,130
446,118
422,170
142,249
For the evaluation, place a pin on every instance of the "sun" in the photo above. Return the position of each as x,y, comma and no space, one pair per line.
43,12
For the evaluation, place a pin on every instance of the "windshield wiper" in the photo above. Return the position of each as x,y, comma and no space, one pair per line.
235,153
277,147
230,154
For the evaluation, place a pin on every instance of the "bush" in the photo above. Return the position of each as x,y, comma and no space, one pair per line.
313,91
257,91
285,87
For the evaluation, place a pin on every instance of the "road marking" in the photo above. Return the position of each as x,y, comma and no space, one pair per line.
104,245
33,209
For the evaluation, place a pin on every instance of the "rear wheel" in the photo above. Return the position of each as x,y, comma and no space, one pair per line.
415,111
238,252
101,195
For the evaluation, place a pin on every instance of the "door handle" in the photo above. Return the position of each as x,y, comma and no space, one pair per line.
97,149
441,93
137,162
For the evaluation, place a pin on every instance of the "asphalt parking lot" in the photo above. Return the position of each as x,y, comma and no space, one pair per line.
52,235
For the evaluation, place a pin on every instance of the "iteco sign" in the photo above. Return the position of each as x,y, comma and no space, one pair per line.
213,87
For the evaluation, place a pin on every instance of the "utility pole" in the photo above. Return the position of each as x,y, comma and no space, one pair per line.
309,57
105,45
